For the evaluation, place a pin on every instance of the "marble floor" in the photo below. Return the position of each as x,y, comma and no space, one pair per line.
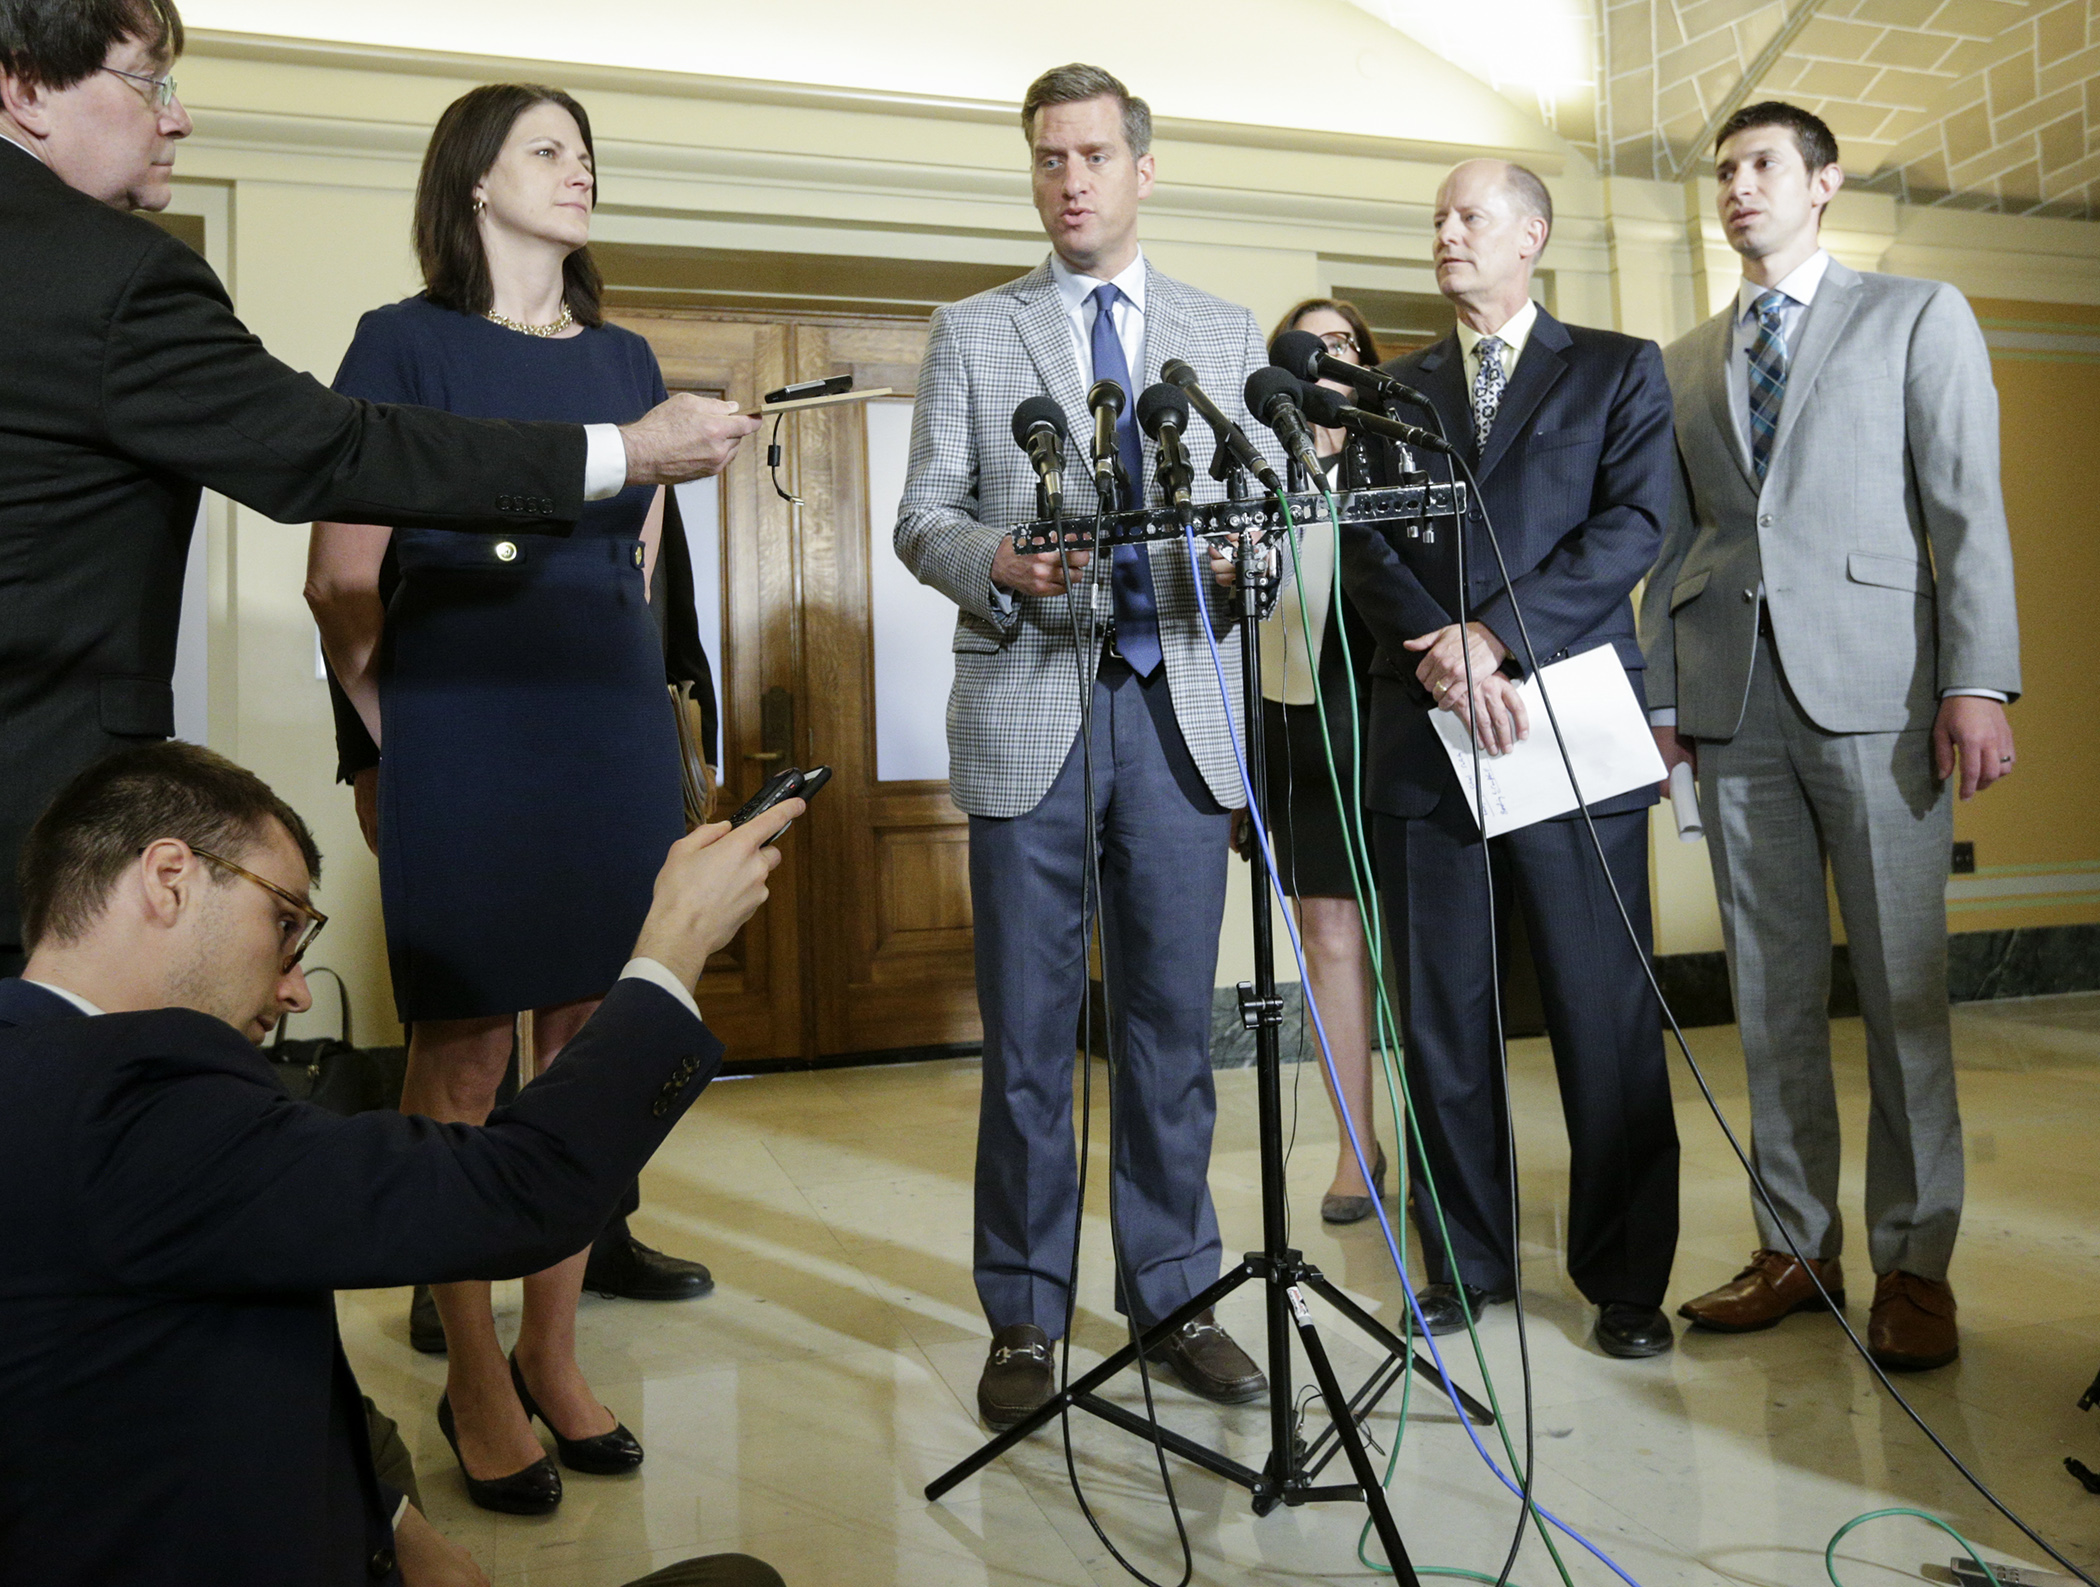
798,1412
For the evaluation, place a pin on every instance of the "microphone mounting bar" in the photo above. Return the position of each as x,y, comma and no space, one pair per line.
1396,506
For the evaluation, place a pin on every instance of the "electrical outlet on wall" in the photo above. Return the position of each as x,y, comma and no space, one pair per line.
1964,859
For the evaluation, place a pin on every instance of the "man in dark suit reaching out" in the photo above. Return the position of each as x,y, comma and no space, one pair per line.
1568,430
179,1407
129,384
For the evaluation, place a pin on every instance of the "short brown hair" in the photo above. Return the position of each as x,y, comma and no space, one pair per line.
57,43
1077,83
1359,327
1812,135
1529,190
468,138
103,819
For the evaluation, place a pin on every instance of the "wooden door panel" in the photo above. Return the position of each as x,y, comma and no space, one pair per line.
892,944
753,993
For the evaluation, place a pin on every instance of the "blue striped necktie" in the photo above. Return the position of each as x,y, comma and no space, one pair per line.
1137,613
1767,379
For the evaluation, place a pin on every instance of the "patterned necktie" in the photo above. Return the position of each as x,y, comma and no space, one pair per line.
1487,390
1767,379
1137,613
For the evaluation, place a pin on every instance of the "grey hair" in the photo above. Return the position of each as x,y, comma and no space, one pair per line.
1076,83
1530,193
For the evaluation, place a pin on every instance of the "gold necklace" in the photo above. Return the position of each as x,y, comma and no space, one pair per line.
562,322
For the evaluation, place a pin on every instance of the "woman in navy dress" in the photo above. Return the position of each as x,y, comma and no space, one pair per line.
528,776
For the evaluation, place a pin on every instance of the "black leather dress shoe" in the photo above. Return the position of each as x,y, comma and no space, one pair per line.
1442,1311
426,1329
1631,1331
612,1454
535,1490
625,1269
1017,1376
1208,1363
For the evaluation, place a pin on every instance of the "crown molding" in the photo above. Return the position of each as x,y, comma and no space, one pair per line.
327,54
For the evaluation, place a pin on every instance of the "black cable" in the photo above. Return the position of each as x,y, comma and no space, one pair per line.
1090,882
1764,1194
773,460
1526,1512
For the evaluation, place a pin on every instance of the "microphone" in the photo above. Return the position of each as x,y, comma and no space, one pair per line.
1307,357
1229,434
1163,413
1276,396
1106,401
1039,430
1326,409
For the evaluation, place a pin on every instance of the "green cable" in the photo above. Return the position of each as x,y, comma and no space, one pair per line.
1357,847
1837,1537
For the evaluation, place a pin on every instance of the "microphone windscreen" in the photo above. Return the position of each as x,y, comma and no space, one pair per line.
1267,386
1156,404
1323,406
1299,352
1040,409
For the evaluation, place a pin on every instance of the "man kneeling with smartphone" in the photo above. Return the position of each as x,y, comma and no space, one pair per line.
179,1406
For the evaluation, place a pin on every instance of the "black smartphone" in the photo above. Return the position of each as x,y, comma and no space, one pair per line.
830,386
791,783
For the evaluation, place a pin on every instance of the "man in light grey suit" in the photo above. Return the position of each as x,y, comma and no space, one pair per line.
1831,641
1162,754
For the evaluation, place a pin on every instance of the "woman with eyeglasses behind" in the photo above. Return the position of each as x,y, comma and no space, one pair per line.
1306,826
528,773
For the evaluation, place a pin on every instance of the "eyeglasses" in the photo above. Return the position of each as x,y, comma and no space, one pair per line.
163,96
297,938
1341,342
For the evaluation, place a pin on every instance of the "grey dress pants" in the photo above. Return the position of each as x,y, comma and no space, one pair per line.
1780,800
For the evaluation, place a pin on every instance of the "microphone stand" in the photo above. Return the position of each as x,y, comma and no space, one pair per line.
1288,1475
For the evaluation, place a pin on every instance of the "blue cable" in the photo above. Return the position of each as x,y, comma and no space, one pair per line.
1197,566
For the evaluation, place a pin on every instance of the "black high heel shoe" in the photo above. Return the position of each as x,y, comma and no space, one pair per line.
612,1454
535,1490
1354,1209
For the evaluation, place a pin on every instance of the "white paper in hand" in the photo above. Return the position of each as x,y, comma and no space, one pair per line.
1607,736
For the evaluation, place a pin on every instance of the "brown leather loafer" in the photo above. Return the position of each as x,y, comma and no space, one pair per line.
1208,1363
1911,1328
1017,1376
1773,1286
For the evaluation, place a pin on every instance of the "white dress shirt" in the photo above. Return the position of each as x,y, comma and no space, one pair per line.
74,998
1798,290
604,454
1513,333
1077,293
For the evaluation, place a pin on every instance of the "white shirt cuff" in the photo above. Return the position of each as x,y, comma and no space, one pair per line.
1002,600
1981,694
400,1510
604,462
1663,716
651,970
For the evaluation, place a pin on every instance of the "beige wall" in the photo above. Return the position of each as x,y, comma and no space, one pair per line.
305,159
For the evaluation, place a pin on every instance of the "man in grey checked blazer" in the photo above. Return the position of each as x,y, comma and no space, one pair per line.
1831,641
1163,766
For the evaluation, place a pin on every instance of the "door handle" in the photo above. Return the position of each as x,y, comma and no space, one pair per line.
776,726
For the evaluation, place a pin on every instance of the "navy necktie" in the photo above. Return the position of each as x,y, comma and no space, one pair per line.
1137,614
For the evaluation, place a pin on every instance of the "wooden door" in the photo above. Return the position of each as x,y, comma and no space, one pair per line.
865,946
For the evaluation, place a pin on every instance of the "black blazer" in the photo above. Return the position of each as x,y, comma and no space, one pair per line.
178,1408
1577,480
128,384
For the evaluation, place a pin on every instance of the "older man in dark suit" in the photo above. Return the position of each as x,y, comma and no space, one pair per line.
179,1407
1568,432
129,384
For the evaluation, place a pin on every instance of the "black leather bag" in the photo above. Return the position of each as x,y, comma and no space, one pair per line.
333,1072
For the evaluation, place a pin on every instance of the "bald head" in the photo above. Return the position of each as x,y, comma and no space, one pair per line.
1492,221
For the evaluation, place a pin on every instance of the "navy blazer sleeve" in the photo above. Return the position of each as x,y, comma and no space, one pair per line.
197,1175
186,387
